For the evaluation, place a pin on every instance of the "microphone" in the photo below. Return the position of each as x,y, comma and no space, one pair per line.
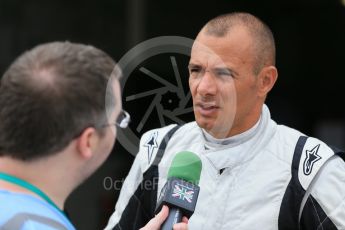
180,192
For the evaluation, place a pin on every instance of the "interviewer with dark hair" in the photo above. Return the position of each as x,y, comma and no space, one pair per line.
60,108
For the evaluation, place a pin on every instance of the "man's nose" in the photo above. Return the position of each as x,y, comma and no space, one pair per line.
207,85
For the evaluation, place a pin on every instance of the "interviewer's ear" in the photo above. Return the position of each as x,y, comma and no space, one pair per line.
267,78
87,142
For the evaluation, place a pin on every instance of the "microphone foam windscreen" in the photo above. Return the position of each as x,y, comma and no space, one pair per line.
187,166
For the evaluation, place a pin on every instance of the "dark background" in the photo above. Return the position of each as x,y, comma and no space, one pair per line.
310,39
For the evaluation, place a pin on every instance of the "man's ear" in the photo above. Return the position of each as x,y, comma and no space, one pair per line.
267,78
87,142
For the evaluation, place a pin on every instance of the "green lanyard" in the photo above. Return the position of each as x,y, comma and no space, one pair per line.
30,187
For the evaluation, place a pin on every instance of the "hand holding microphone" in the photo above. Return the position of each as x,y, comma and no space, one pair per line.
157,221
180,193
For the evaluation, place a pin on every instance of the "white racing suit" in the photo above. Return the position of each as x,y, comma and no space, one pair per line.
269,177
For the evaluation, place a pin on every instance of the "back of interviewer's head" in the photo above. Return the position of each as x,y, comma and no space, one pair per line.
49,95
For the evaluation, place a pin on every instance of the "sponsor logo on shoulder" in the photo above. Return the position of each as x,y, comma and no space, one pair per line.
311,158
151,144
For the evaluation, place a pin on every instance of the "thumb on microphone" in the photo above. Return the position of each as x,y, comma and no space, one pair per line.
181,226
157,221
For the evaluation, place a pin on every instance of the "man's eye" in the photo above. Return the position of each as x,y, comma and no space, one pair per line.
223,73
194,70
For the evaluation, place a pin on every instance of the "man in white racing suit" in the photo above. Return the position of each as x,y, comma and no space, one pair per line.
255,174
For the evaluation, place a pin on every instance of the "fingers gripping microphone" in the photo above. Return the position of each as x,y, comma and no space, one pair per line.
180,193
